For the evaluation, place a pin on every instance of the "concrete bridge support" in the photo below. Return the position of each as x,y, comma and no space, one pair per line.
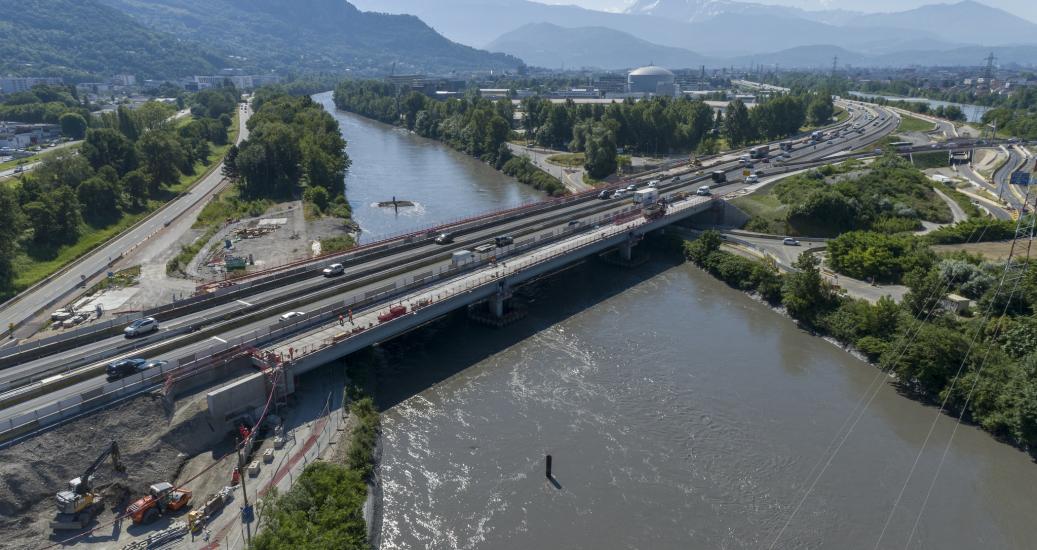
496,301
626,251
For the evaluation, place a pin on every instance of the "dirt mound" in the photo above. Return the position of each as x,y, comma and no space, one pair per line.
153,447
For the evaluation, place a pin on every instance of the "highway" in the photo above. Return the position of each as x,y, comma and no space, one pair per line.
365,276
32,301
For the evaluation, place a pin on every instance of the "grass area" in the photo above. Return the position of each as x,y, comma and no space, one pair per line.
910,123
934,159
336,244
126,277
569,160
840,115
35,158
971,210
30,270
767,213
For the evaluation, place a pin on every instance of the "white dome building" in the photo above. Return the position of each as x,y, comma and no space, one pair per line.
651,80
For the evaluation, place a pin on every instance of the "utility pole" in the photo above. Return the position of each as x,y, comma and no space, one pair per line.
245,509
835,65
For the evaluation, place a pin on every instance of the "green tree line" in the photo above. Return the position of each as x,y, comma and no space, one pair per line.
294,146
917,340
477,126
128,158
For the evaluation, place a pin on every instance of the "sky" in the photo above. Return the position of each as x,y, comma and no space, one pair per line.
1022,8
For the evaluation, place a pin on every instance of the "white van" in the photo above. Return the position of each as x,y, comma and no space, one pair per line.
703,191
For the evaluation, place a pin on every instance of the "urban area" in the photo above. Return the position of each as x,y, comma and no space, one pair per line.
510,274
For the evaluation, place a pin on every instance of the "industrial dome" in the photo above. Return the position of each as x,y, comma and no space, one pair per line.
651,80
650,70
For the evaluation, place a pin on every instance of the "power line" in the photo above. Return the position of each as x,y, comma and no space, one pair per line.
975,338
870,392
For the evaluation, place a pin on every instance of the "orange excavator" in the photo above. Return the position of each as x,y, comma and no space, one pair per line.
161,498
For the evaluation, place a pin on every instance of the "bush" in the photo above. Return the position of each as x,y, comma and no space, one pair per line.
522,169
868,255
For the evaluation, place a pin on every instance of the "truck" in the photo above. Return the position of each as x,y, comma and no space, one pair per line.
817,135
759,152
647,196
786,146
461,257
719,176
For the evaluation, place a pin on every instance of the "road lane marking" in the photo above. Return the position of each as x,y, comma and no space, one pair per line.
220,339
244,302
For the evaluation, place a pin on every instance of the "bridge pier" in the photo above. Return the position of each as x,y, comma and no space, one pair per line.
626,251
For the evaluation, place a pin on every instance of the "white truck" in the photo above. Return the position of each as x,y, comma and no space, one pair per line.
462,257
644,197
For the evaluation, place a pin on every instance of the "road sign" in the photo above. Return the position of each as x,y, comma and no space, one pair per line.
1020,178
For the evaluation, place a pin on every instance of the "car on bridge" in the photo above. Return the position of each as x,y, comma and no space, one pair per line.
445,238
291,315
605,194
117,370
141,327
334,270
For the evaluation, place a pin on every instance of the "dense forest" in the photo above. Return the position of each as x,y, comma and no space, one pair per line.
924,345
42,104
130,162
82,39
294,147
653,126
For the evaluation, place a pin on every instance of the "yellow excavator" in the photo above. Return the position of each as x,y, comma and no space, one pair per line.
78,504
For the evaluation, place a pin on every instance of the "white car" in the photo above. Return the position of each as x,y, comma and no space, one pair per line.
751,179
141,326
333,270
789,241
292,315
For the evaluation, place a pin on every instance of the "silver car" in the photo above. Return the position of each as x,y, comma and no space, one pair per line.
141,326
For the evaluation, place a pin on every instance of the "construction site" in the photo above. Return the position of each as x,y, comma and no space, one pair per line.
281,235
181,467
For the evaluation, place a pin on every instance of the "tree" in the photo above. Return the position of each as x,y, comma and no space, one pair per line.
161,156
700,249
318,196
737,126
820,110
230,167
73,125
109,147
100,200
11,222
805,293
600,156
135,185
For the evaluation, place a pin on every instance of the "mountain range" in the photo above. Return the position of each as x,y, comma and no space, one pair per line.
78,39
724,30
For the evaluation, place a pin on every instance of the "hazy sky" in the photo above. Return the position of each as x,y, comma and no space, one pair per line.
1022,8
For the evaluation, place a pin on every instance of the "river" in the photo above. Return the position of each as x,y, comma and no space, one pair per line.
973,113
444,184
680,414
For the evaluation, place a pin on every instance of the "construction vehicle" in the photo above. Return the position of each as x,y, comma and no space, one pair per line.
654,211
161,498
78,505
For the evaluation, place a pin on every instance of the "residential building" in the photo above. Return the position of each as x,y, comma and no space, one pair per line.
13,84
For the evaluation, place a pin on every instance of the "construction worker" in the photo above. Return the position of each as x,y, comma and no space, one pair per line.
341,320
10,330
350,312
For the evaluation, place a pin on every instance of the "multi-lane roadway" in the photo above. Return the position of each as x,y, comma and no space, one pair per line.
222,322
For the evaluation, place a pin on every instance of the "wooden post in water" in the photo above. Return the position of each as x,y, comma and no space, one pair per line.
549,466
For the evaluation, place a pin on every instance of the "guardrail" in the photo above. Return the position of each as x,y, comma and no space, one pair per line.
280,275
196,363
